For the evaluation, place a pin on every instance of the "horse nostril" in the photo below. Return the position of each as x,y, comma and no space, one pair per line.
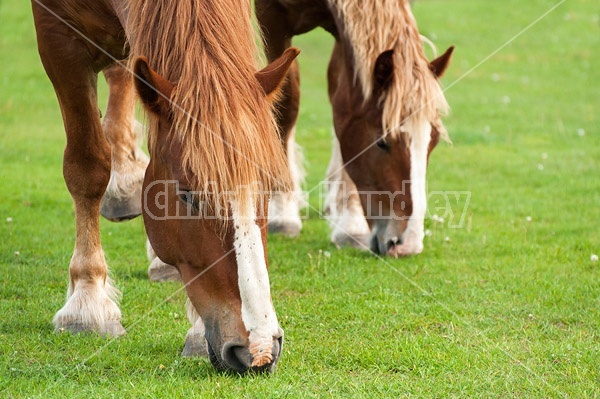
374,244
392,242
278,347
237,358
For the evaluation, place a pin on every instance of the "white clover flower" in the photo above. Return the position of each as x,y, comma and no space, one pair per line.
8,220
581,132
528,219
594,258
428,233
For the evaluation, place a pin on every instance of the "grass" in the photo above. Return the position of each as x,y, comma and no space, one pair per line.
505,308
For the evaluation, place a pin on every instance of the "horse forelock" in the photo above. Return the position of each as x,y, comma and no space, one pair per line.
374,26
221,119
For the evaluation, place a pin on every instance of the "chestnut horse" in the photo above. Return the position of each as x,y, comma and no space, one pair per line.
211,127
387,104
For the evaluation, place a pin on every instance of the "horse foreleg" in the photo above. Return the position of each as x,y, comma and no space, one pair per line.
284,207
343,208
123,197
91,297
86,168
90,304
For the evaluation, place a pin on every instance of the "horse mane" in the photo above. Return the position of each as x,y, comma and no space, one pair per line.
221,118
374,26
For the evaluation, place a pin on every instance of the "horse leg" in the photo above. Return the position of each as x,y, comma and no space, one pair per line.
86,167
123,197
284,207
90,304
345,213
195,340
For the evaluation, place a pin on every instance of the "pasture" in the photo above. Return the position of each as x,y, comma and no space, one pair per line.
506,305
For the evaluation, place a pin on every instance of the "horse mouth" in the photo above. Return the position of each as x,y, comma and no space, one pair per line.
237,359
381,245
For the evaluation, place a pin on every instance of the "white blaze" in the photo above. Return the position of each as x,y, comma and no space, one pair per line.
413,236
258,314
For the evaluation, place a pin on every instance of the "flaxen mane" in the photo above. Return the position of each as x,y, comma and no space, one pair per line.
221,118
374,26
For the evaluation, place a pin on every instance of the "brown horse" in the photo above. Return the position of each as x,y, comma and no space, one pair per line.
212,138
387,105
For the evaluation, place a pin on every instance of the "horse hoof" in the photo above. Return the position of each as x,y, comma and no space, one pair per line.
195,346
122,209
287,229
111,328
161,272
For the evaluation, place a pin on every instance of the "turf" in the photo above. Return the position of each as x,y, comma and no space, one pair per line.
507,305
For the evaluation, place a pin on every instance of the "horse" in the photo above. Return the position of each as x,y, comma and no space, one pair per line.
387,106
212,139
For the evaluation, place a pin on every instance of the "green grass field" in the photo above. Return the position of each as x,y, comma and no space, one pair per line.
505,307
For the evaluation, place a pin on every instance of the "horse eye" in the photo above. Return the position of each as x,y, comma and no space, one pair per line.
383,144
187,197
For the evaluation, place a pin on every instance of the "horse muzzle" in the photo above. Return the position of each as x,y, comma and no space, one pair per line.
389,238
239,358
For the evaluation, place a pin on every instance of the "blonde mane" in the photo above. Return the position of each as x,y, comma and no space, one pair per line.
374,26
221,118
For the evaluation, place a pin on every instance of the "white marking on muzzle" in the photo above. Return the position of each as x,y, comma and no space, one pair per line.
258,314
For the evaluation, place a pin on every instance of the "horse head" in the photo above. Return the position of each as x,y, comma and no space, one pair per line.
218,246
386,163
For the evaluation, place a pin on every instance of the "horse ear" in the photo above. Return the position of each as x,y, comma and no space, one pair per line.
440,64
271,77
153,89
384,68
